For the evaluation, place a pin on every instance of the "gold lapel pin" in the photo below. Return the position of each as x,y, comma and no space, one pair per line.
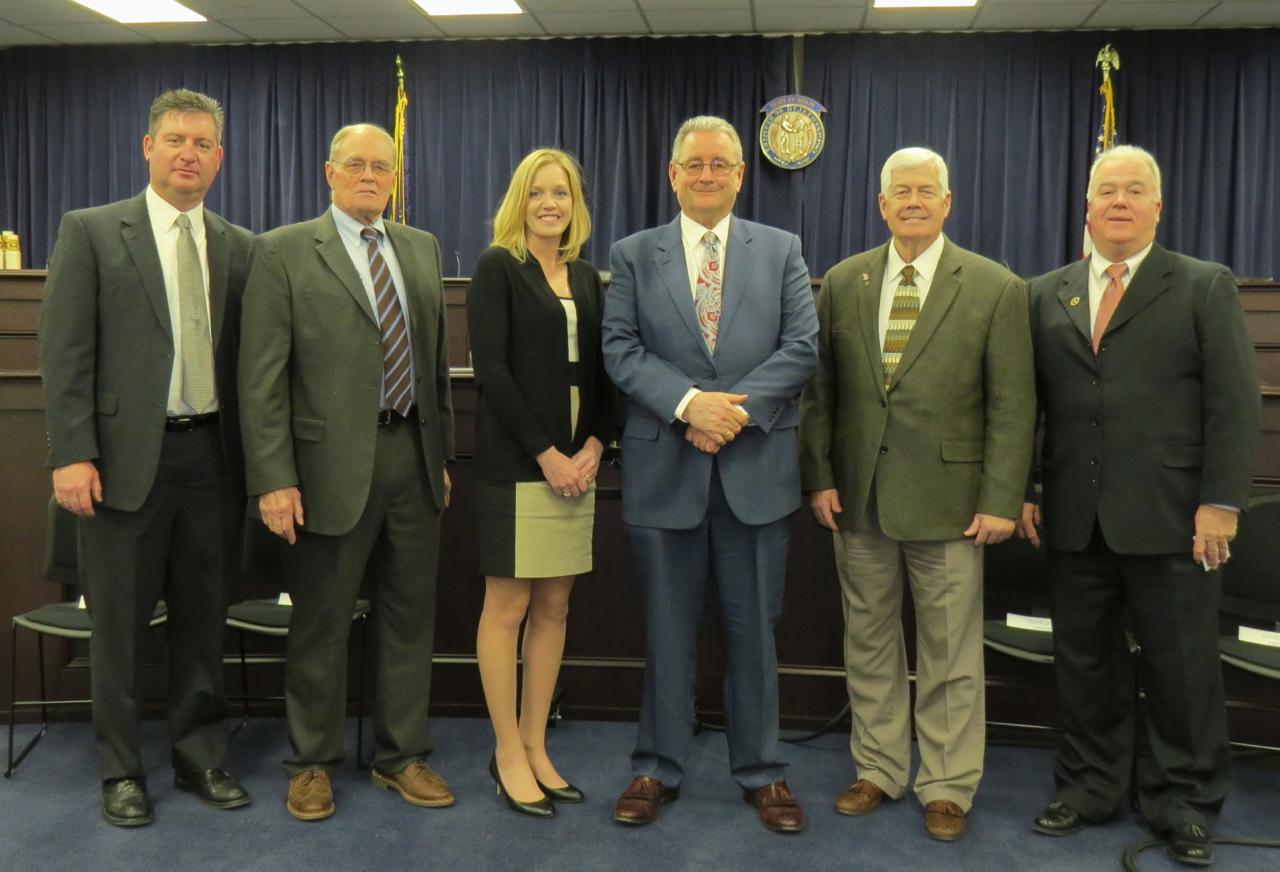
1075,301
866,279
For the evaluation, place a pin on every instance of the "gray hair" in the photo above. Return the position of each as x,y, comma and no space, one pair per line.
1126,152
706,122
910,159
182,101
344,132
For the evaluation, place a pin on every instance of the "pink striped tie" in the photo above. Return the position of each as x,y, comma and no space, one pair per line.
397,387
1110,299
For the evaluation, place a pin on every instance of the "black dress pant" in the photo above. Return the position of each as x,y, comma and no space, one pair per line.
1171,605
183,545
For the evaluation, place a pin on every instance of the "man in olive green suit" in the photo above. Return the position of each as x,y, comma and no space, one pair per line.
916,434
347,426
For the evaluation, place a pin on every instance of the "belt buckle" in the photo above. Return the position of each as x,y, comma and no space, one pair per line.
385,417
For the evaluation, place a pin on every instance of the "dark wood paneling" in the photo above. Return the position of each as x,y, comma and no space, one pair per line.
605,646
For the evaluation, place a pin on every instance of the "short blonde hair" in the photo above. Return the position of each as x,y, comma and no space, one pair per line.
1121,152
709,123
910,159
509,221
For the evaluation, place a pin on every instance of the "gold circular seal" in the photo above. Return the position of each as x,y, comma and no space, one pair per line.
792,133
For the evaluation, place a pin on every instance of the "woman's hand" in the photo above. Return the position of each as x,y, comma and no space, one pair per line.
588,461
561,473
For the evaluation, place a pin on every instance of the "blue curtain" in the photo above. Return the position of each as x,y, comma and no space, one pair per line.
1014,114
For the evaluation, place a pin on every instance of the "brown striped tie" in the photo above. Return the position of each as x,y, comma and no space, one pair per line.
902,317
1111,295
397,386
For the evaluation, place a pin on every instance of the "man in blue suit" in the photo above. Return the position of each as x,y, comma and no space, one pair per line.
710,330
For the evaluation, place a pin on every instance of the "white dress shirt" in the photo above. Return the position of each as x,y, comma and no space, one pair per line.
1098,278
163,215
926,265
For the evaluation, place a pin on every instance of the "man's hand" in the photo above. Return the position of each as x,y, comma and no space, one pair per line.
825,505
702,440
281,511
714,413
77,486
1215,527
560,472
989,529
448,487
1028,522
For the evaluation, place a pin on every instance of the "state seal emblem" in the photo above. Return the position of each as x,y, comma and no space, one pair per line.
792,135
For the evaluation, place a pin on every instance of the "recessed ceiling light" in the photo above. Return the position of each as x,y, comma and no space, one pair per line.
470,7
923,4
142,11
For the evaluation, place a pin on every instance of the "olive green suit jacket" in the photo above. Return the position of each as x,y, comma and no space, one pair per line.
311,368
951,433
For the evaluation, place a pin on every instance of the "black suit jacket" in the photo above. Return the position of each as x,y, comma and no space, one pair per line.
1163,419
519,349
107,344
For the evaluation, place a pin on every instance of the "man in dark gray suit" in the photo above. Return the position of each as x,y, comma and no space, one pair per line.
1150,401
347,426
138,338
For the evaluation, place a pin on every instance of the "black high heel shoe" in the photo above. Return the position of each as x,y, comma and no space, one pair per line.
568,793
538,808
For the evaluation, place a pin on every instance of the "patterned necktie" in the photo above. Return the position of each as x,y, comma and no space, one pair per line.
397,387
902,317
706,295
193,314
1110,299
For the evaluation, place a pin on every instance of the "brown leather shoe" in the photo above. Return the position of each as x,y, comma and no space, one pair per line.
943,820
310,795
417,784
640,802
779,809
861,798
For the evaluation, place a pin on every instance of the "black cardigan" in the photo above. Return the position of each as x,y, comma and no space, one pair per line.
519,350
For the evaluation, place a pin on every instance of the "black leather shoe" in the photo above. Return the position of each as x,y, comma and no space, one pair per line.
1189,843
125,803
215,787
538,808
568,793
1059,819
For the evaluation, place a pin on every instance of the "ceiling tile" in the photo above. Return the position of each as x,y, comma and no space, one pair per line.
47,12
386,26
1166,13
349,8
537,7
664,5
808,20
1248,13
235,10
848,5
289,30
700,20
101,33
190,31
13,35
919,19
593,23
1034,17
488,25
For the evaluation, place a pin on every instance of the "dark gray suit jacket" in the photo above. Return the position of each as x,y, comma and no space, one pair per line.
1163,419
311,368
107,344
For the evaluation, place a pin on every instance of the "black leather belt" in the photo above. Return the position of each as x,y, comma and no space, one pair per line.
186,423
387,417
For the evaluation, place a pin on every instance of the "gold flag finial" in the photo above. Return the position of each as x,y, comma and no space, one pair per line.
1108,59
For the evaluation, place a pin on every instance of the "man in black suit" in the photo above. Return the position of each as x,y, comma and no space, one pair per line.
139,332
1150,405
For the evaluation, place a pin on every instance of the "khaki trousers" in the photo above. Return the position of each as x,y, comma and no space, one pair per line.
950,713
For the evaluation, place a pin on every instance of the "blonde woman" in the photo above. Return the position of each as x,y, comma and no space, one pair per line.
534,310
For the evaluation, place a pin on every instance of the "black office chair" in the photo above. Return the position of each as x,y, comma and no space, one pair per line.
1251,587
1014,574
67,619
270,617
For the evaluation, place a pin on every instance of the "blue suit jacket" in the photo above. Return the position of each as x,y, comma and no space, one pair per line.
653,350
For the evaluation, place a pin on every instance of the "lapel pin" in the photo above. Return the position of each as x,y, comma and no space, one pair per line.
1075,301
866,279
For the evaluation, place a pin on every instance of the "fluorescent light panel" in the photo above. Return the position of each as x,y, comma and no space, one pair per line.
923,4
470,7
142,11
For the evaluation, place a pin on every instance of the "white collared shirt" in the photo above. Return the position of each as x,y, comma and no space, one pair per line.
691,234
926,265
163,215
1098,278
358,250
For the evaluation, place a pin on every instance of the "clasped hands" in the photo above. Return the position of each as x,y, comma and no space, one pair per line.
714,419
571,476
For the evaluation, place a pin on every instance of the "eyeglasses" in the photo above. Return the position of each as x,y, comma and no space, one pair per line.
356,167
695,166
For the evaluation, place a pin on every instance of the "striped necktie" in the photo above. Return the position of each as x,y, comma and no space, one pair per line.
902,317
397,386
707,293
193,311
1111,295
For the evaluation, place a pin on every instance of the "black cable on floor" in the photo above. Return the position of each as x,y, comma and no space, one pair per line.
1131,851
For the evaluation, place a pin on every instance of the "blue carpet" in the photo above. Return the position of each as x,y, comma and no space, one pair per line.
49,816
